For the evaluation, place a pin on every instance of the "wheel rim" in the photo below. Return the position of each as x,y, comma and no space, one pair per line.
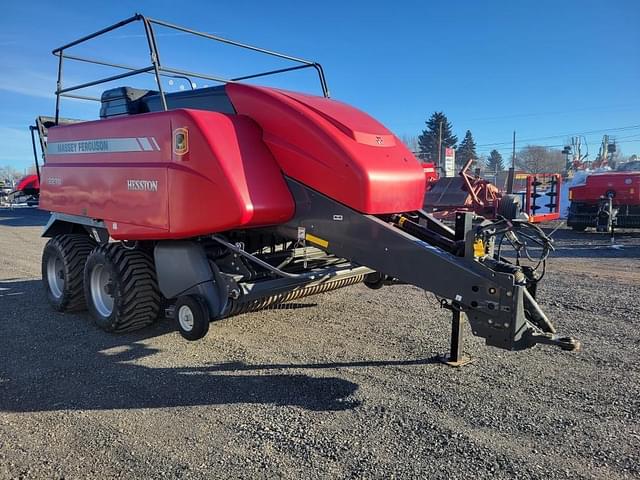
55,276
185,318
101,290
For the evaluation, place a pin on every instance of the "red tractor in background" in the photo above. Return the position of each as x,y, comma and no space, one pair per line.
29,185
26,191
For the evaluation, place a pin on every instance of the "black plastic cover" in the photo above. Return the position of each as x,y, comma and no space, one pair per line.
123,101
214,99
130,101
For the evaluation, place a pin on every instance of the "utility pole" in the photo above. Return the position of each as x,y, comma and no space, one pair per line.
512,170
605,149
439,145
513,152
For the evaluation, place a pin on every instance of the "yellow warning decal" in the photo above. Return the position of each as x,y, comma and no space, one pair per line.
317,240
181,141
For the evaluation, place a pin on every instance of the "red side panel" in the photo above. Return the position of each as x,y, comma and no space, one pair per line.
127,172
625,185
335,149
240,185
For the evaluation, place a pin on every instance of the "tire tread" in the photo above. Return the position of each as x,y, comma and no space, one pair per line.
74,249
139,300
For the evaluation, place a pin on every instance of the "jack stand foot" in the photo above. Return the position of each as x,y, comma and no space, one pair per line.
447,360
456,357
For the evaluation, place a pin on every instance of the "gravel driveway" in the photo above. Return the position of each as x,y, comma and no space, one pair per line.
341,385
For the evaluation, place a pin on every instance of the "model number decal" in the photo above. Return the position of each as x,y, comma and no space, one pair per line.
54,181
142,185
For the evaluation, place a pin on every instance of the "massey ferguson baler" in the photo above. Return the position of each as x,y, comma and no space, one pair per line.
206,203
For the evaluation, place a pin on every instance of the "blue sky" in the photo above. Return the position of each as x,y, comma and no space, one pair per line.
544,68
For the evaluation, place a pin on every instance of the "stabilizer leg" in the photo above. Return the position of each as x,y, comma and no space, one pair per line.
456,357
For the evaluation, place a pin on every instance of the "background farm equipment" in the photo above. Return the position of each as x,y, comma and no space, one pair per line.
541,188
471,193
26,192
465,193
606,201
430,174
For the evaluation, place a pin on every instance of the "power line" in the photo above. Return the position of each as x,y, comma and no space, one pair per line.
609,108
507,151
602,108
616,139
630,127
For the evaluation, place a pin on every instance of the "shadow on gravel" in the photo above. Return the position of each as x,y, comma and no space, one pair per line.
242,367
23,217
51,361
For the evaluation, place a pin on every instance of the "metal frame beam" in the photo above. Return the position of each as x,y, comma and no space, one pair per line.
489,297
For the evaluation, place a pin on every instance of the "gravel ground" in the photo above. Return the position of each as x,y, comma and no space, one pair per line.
340,385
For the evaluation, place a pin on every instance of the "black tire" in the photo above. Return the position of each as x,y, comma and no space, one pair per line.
374,281
509,206
130,285
63,281
196,324
578,228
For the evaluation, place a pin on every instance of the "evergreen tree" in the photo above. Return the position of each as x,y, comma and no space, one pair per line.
428,140
466,150
495,162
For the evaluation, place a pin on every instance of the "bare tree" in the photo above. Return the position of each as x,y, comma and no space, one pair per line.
9,173
411,141
539,159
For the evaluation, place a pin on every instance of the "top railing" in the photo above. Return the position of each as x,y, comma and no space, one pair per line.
158,69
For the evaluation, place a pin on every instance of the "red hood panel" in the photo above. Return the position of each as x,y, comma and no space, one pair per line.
334,149
358,125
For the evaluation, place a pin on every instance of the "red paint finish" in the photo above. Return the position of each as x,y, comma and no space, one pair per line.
625,185
230,175
30,182
334,149
227,179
